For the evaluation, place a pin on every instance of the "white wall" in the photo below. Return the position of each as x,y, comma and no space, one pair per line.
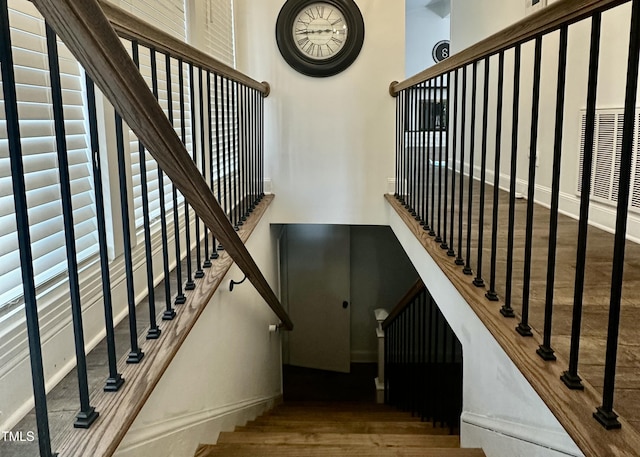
424,29
227,371
381,274
501,412
329,141
473,21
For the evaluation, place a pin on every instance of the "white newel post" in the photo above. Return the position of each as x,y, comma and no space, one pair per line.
381,314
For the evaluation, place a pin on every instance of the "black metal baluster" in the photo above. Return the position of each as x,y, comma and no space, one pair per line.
190,284
405,148
414,352
478,281
431,358
436,351
432,148
115,379
236,155
401,151
219,141
604,414
409,146
507,310
418,156
194,143
169,313
387,347
135,355
545,351
438,131
398,133
459,260
248,140
474,85
413,151
444,132
22,231
420,361
425,145
523,327
570,377
422,198
87,413
154,331
212,176
408,150
254,148
454,143
225,126
180,298
250,149
242,143
206,263
491,293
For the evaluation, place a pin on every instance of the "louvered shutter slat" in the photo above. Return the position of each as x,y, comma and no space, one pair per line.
40,158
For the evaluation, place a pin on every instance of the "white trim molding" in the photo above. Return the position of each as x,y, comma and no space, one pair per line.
528,434
194,427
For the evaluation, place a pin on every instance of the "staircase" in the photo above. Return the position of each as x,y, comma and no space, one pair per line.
337,429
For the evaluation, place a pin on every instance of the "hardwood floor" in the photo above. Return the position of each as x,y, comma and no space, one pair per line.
597,290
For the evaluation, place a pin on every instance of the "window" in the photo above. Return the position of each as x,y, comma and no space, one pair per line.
219,33
169,15
426,110
40,159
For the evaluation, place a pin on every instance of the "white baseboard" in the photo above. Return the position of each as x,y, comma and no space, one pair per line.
601,216
180,435
549,442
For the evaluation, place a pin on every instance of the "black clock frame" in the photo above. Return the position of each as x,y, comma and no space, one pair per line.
326,67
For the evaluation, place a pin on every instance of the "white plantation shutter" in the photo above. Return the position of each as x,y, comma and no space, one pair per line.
168,15
40,158
219,33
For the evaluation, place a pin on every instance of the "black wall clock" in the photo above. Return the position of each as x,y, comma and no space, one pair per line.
320,38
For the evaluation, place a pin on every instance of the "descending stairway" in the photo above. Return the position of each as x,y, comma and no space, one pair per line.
329,429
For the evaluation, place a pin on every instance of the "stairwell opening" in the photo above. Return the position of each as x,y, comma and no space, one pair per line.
332,279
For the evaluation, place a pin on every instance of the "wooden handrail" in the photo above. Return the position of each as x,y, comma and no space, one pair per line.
133,28
415,289
88,34
544,21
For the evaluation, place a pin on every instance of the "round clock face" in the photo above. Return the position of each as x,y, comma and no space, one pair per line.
320,31
320,38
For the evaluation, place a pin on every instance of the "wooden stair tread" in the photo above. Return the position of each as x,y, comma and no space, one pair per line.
339,439
314,415
330,430
295,450
336,406
344,427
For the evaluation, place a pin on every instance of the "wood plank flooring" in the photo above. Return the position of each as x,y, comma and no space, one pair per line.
597,291
330,428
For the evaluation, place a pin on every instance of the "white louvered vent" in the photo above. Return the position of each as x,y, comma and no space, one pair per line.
607,151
